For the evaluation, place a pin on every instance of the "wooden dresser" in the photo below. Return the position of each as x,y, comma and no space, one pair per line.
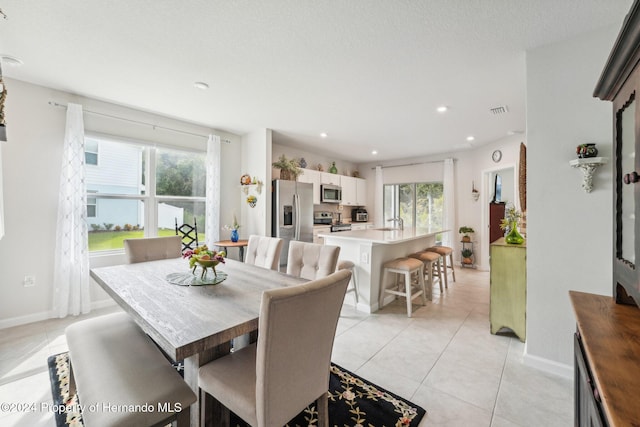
607,341
508,287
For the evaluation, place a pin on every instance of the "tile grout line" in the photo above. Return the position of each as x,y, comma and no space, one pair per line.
504,366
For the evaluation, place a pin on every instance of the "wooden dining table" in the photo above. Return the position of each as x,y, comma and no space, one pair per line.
192,323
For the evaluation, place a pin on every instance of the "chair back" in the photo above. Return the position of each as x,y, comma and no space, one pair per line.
297,326
311,260
264,251
189,234
152,248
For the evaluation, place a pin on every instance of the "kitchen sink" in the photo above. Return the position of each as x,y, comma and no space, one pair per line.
386,229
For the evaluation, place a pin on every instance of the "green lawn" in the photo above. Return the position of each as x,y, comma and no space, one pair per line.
110,240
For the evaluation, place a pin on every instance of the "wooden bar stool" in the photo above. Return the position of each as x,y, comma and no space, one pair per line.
445,251
431,263
348,265
405,267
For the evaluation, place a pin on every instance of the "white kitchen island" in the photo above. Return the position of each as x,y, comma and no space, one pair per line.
370,249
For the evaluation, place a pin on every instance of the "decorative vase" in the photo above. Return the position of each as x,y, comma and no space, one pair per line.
586,150
303,162
513,237
333,168
234,235
285,174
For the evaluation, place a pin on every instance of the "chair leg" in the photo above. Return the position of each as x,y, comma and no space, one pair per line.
446,273
183,419
421,284
430,284
407,290
355,283
385,274
323,410
453,270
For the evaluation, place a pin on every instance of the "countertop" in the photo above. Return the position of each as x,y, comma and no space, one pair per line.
384,236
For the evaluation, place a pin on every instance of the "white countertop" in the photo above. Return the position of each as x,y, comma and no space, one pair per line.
382,236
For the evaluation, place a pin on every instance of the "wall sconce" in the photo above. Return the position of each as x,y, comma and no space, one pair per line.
475,194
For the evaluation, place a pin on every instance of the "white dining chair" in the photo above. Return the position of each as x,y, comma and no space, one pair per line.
152,248
311,260
264,251
262,386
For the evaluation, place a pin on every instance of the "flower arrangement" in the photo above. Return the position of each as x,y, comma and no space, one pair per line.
234,226
204,257
252,200
512,218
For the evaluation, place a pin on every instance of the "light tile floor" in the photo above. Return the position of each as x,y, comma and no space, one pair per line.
443,358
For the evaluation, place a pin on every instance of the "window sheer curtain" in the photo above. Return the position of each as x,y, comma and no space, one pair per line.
1,198
212,195
449,209
71,265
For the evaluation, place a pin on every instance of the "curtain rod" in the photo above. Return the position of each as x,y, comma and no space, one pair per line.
410,164
55,104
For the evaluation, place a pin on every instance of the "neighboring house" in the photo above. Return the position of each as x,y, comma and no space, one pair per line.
117,169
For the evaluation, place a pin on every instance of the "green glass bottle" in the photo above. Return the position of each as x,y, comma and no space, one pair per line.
514,238
333,168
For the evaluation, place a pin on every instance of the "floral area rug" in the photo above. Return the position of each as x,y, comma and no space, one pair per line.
353,401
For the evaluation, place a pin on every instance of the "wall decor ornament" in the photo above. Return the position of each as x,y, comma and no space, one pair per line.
3,97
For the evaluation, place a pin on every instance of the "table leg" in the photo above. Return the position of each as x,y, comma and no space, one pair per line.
241,253
205,407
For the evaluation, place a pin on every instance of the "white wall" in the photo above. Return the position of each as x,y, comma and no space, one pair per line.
256,161
568,231
31,169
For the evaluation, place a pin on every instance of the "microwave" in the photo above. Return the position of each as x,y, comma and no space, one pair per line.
330,193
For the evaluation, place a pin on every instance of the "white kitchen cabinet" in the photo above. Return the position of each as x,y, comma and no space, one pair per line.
349,191
312,177
329,178
361,191
358,226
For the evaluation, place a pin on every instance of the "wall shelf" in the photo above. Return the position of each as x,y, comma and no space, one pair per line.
588,166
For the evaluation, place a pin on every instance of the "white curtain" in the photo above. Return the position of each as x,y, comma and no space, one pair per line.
449,214
378,198
212,203
71,266
1,198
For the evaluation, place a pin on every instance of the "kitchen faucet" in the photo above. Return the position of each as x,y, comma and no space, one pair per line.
399,221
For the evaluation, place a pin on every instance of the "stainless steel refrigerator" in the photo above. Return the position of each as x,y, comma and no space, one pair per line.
292,217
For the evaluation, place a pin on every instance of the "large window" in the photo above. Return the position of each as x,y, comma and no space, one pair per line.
417,204
140,190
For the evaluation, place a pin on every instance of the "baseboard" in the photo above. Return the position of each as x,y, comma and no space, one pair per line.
44,315
547,365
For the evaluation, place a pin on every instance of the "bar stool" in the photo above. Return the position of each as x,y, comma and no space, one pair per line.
445,251
348,265
431,262
406,267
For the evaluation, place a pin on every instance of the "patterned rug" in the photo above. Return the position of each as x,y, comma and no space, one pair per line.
353,401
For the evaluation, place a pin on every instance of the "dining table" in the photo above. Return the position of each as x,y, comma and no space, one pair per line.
194,323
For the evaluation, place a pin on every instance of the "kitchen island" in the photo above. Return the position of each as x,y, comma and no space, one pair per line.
370,249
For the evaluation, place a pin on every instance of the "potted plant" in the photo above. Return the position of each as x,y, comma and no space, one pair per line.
466,256
465,231
289,168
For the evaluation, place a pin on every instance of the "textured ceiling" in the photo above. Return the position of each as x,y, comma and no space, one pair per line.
370,73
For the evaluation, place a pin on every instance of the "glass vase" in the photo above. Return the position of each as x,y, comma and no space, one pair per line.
234,235
513,237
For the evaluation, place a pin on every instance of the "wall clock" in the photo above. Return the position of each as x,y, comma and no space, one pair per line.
496,156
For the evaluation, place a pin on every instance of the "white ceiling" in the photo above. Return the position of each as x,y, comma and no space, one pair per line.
370,73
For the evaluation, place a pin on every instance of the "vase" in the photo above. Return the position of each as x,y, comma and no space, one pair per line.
586,150
234,235
513,237
333,168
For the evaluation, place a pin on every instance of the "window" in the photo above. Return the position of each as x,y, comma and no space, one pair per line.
90,151
142,191
417,204
92,206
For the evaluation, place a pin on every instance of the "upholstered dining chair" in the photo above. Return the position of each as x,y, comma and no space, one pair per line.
264,251
271,381
311,260
152,248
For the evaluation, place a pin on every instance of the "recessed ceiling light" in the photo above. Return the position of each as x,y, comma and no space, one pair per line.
374,152
201,85
470,138
11,60
442,109
323,135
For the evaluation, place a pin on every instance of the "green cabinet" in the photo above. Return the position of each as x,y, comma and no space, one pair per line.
508,265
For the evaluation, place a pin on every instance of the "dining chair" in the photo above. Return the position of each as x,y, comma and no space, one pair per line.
264,251
271,381
311,260
189,234
152,248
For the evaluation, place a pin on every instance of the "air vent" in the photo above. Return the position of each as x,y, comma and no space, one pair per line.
503,109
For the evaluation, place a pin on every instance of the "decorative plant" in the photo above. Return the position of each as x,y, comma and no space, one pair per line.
465,231
205,258
289,168
466,256
234,226
512,218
